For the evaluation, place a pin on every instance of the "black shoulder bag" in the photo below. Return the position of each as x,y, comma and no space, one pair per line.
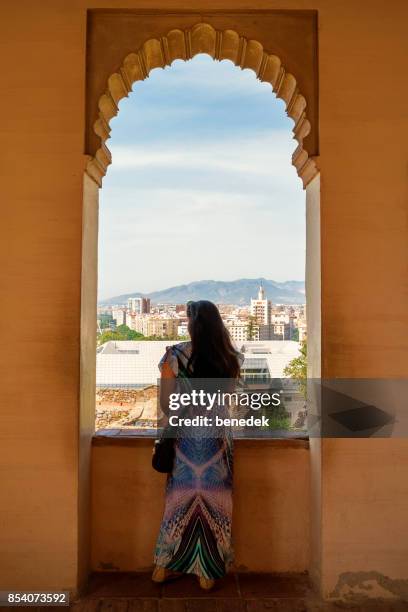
163,450
163,455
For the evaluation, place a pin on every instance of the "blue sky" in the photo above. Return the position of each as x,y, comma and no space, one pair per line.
201,185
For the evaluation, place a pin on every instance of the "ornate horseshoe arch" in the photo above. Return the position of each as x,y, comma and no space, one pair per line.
185,44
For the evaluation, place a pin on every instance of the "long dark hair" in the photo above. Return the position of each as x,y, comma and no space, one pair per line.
213,355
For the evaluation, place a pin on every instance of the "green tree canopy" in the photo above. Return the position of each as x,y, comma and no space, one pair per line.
122,332
297,368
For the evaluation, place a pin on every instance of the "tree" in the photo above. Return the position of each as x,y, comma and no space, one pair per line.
295,334
297,368
105,320
122,332
106,336
251,328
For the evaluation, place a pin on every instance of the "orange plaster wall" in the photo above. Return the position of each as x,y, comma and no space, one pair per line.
41,174
365,533
363,154
363,53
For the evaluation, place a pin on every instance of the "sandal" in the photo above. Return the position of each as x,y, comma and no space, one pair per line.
206,583
161,574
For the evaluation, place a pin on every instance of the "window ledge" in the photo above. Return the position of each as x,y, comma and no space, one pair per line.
134,437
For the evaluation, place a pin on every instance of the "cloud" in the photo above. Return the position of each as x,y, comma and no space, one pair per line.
172,236
218,78
201,95
267,154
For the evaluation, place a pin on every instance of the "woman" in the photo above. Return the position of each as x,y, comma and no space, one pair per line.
195,534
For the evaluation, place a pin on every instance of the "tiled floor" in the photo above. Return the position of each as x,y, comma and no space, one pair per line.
131,592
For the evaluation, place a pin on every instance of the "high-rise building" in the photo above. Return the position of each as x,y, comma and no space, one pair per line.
261,308
139,305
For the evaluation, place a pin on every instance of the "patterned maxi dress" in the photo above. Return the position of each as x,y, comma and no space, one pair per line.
195,533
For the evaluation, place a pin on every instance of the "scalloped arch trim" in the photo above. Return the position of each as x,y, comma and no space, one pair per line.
185,44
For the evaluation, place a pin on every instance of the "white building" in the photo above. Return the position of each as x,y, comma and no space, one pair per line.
302,331
119,315
261,308
269,356
182,329
129,363
238,330
133,364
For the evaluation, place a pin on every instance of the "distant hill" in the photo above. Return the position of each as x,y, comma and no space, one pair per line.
222,292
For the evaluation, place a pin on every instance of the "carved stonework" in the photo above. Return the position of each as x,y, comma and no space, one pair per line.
203,38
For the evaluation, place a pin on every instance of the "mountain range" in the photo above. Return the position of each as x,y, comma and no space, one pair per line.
222,292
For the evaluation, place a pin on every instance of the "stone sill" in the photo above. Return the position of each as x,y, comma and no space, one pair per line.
129,437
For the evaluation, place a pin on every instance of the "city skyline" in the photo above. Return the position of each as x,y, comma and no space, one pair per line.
181,293
258,319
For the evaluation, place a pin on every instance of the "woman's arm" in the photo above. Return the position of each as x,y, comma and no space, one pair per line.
167,386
